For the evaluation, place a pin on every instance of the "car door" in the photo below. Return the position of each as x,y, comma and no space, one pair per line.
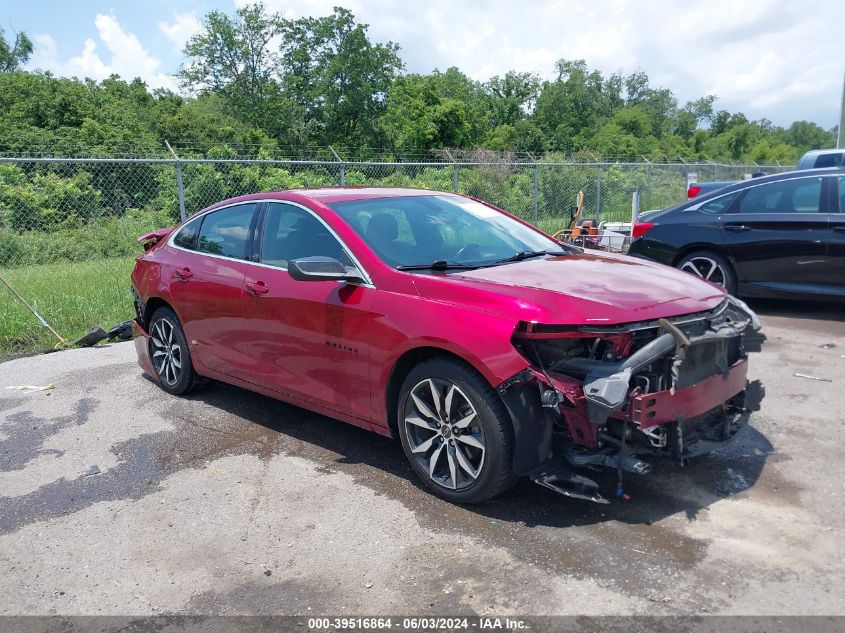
776,234
207,284
836,244
308,339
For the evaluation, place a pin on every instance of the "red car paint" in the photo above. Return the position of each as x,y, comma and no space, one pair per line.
332,347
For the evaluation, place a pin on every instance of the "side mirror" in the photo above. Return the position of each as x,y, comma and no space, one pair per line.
321,269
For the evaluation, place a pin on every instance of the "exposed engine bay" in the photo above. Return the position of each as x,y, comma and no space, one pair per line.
600,397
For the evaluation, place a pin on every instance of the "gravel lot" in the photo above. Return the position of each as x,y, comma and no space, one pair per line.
116,498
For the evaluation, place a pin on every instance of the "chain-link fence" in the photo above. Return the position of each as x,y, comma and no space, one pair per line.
68,227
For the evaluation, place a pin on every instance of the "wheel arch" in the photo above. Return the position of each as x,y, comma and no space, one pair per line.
719,249
151,305
403,366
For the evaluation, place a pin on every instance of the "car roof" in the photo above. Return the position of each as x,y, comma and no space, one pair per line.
786,175
327,195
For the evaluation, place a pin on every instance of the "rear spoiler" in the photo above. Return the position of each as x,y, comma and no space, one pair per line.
151,239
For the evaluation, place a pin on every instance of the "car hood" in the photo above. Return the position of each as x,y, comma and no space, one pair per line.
578,289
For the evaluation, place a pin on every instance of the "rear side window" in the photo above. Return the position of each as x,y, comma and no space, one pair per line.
226,232
829,160
787,196
719,205
187,235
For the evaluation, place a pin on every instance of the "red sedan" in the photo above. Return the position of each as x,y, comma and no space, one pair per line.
491,350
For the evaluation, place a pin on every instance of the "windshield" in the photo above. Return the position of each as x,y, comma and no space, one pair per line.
418,230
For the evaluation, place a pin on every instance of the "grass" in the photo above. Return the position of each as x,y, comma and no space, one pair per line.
71,296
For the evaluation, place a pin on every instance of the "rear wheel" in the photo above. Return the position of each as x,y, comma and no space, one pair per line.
455,431
711,267
169,353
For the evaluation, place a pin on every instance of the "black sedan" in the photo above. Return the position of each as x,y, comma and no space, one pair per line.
775,236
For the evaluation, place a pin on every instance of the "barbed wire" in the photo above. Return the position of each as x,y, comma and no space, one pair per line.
21,147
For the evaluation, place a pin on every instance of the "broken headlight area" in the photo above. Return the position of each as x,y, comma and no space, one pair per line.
608,396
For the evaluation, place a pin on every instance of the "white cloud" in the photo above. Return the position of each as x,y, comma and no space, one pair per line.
766,58
179,31
126,56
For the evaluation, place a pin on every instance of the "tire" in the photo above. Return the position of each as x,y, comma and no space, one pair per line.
474,436
711,267
175,370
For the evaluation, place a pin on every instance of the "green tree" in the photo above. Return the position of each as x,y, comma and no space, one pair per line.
577,101
338,77
807,135
418,118
16,54
511,97
236,57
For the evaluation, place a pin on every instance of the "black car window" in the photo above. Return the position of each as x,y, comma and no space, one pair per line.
800,195
290,233
829,160
226,232
187,235
720,204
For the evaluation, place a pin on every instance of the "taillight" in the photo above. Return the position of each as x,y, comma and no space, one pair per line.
693,191
640,229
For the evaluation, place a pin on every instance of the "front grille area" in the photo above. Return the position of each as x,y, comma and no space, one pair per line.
708,358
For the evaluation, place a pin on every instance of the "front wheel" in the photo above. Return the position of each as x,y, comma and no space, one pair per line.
710,267
455,431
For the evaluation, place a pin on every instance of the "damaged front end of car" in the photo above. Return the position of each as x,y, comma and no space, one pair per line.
610,397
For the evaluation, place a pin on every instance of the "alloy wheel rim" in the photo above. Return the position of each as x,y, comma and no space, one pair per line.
166,352
706,269
444,433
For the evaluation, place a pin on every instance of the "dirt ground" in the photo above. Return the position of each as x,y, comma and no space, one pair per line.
116,498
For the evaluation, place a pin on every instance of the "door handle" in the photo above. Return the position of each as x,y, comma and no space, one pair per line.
737,228
839,229
257,287
183,274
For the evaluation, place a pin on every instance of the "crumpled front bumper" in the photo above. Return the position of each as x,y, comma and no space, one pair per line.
651,409
683,393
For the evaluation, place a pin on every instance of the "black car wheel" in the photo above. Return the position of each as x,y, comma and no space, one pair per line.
455,431
711,267
169,353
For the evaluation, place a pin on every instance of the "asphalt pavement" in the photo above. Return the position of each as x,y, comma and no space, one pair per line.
117,498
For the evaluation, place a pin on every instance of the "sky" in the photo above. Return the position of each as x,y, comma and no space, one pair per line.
767,58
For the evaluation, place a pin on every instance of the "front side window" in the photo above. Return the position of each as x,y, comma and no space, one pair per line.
415,230
787,196
290,233
226,232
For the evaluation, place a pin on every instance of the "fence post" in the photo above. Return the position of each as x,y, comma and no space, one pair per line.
180,190
536,194
635,207
598,195
342,167
455,169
